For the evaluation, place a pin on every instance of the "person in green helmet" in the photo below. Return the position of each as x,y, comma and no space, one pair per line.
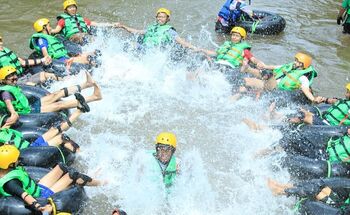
15,181
25,66
14,102
344,11
159,34
73,26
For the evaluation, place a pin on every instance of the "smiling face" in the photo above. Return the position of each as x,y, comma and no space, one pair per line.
11,79
162,18
72,10
236,37
164,153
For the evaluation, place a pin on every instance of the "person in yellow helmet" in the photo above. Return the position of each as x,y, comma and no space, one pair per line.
159,34
298,75
73,26
14,102
29,70
233,56
15,181
49,46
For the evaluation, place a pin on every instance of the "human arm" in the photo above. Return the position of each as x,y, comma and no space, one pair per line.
33,62
128,29
59,27
342,10
186,44
7,98
14,188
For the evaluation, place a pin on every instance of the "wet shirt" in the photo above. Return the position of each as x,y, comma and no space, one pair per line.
42,43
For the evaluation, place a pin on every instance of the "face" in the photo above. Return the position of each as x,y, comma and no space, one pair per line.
297,64
11,79
347,94
71,10
164,153
236,37
162,18
48,28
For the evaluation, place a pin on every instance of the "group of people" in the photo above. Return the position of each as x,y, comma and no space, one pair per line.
233,58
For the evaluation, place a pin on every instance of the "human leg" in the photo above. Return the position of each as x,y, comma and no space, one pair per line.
277,188
53,97
62,105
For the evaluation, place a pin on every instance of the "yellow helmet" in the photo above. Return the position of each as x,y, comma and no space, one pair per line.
5,71
164,10
304,58
240,31
68,3
166,138
40,23
8,154
348,86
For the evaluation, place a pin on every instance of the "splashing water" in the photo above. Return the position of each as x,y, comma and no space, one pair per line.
143,96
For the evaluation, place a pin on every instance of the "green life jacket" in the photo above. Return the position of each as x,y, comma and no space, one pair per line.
232,52
338,113
72,24
169,174
8,58
158,35
28,184
339,149
11,136
290,77
20,102
55,48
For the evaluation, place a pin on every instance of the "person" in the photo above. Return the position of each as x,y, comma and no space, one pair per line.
159,34
8,57
15,181
14,102
337,114
292,76
118,211
344,11
49,46
73,26
327,191
163,160
235,54
53,137
230,13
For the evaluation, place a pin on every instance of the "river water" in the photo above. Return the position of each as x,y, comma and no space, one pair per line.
144,96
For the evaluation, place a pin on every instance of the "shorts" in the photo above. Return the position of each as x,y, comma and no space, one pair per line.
39,142
220,28
36,106
29,78
45,192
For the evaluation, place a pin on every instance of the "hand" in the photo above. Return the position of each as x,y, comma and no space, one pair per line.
260,65
319,99
117,25
12,119
46,60
339,20
46,208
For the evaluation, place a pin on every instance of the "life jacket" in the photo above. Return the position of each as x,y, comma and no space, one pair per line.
339,149
14,137
73,24
8,58
55,48
290,77
230,16
158,35
338,113
169,174
232,52
20,174
20,102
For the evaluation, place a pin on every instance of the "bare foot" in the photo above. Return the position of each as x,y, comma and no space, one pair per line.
252,125
89,81
275,187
